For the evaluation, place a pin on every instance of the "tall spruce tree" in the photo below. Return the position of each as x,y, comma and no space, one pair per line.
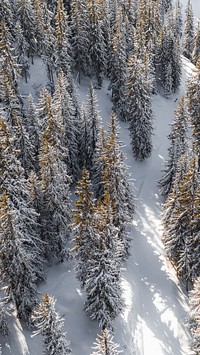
193,102
178,146
188,37
196,45
50,325
105,345
139,111
194,302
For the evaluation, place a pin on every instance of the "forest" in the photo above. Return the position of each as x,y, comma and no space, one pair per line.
65,188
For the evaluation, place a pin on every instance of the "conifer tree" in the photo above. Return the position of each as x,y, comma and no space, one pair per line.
7,14
115,179
24,13
62,36
55,183
64,106
105,345
193,91
21,49
92,126
104,301
139,112
49,53
196,45
178,146
79,39
4,330
84,233
33,128
194,302
117,70
42,109
188,32
181,221
50,325
18,257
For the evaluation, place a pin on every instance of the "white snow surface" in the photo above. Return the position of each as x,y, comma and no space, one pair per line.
154,320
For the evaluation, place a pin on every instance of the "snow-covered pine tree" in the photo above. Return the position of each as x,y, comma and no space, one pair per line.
193,103
102,286
21,50
83,225
105,345
62,37
196,45
49,53
24,14
64,106
13,183
42,109
79,39
178,146
4,330
194,302
116,182
50,325
182,225
7,15
188,37
33,127
18,259
97,49
139,111
24,146
92,127
117,72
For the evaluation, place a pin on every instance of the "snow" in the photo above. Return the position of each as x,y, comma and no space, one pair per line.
155,317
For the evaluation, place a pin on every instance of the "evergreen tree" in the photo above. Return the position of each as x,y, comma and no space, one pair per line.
117,70
55,183
4,330
50,325
104,301
115,179
33,128
178,146
105,345
42,109
79,38
17,259
13,183
139,112
193,91
24,13
49,53
188,32
92,126
194,302
64,106
196,45
181,221
84,233
7,14
21,49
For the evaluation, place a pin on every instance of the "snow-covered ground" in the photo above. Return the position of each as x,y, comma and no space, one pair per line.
155,317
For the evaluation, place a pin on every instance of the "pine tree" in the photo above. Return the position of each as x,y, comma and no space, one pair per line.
196,45
7,14
92,126
33,128
181,232
117,70
21,49
4,330
188,32
13,183
102,286
84,233
178,146
105,345
49,53
64,106
194,302
139,112
24,13
50,325
80,40
18,257
193,91
115,180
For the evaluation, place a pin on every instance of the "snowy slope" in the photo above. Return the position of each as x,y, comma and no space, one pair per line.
156,308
